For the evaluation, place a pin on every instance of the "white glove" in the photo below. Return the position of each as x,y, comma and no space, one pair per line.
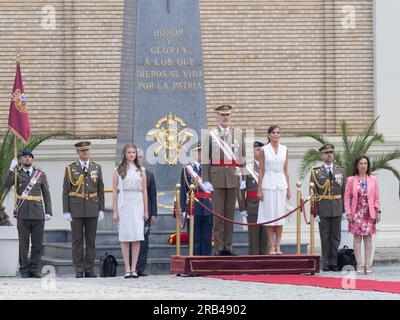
47,217
243,213
67,216
208,186
242,184
14,164
317,219
101,216
183,215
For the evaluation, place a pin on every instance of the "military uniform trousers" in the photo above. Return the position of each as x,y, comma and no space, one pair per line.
30,231
84,229
203,224
330,233
223,203
143,253
257,234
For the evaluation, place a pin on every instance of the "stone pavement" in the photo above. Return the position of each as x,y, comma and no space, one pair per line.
171,287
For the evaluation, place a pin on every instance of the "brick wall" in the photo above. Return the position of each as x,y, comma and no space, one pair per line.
288,62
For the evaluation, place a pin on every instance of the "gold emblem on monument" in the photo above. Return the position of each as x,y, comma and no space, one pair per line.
171,135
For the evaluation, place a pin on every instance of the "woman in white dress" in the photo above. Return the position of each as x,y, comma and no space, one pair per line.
130,205
273,187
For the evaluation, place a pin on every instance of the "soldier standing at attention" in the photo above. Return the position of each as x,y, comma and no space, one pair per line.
32,193
329,185
248,205
83,206
222,158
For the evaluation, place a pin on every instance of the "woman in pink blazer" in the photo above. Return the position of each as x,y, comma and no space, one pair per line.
361,202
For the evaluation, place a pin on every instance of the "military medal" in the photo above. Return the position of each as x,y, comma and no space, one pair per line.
94,175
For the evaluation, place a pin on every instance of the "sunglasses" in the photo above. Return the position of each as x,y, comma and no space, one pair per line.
328,152
83,150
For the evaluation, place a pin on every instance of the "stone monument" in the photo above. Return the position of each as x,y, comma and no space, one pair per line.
162,105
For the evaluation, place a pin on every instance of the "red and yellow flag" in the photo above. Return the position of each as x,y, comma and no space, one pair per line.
18,118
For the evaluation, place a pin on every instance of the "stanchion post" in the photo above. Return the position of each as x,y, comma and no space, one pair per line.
191,230
312,203
178,218
298,229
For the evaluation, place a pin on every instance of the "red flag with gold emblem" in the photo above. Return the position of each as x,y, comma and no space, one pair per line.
18,118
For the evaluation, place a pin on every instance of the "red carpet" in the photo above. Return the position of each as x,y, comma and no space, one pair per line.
316,281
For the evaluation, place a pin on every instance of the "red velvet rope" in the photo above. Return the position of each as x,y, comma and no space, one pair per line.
251,224
303,209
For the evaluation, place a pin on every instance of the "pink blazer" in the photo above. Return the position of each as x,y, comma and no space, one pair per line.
351,195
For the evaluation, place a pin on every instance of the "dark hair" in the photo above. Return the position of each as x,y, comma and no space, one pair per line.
123,165
272,128
358,159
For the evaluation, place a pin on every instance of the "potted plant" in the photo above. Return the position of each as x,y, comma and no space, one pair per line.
8,232
353,147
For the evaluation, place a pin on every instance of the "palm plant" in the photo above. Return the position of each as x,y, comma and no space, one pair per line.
353,147
7,154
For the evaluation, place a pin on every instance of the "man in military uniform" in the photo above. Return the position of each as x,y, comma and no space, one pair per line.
329,181
203,220
223,156
248,205
32,192
83,206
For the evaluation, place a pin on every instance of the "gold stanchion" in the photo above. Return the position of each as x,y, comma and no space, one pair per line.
298,229
178,218
191,237
312,203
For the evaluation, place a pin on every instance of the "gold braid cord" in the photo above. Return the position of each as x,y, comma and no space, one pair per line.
326,186
78,183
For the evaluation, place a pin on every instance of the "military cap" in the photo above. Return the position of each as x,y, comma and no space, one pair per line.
197,147
82,145
26,153
258,144
327,147
224,109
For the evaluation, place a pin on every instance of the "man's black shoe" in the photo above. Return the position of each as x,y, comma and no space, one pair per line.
230,253
34,274
90,275
142,274
326,269
334,268
24,275
79,275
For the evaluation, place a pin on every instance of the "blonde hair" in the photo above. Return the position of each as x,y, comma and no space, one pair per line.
122,168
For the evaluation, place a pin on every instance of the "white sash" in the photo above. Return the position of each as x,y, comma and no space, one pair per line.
224,147
29,187
253,172
195,176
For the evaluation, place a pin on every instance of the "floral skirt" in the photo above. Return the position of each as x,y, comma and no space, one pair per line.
362,224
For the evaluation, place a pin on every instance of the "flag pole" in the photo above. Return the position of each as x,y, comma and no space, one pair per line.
15,173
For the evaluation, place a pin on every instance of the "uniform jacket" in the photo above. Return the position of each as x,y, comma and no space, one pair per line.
223,176
32,210
329,208
184,196
351,195
92,183
251,206
151,194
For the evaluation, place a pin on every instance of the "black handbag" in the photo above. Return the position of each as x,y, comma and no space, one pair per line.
108,265
346,257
